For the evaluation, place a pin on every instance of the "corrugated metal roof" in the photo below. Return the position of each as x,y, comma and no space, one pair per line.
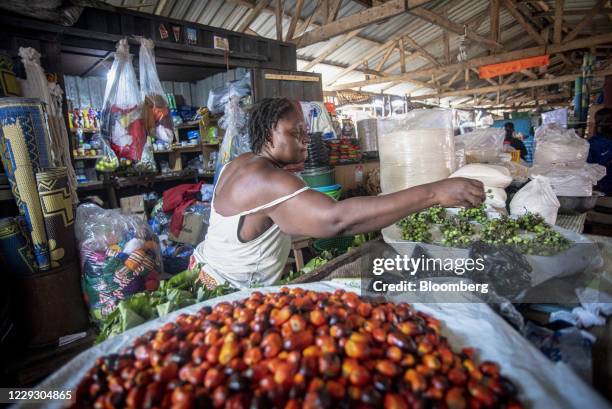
230,14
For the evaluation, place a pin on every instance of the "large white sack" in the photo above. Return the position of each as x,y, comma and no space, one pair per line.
496,197
489,175
538,197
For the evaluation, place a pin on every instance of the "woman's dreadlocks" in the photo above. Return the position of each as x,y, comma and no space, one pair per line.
264,118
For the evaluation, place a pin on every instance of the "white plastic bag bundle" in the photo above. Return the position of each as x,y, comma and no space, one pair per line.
538,197
555,144
573,179
482,145
489,175
415,148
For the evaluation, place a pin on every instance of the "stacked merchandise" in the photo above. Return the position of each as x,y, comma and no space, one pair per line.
343,151
560,156
317,152
40,190
415,148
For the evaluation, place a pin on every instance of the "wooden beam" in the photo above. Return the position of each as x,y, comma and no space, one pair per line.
383,60
512,8
558,21
491,59
519,85
443,22
331,48
357,20
494,21
452,79
420,50
586,20
333,10
489,80
576,12
253,15
446,44
279,20
402,53
529,74
299,4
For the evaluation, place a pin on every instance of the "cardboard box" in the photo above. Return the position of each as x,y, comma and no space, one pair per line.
133,205
192,232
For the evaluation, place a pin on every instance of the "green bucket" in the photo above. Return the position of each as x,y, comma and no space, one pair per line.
342,243
318,177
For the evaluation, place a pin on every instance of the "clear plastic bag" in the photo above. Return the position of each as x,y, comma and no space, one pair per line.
218,98
538,197
119,255
122,121
573,179
157,117
107,162
415,148
482,145
555,144
236,140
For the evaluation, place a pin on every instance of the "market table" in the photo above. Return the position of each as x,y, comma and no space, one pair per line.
541,383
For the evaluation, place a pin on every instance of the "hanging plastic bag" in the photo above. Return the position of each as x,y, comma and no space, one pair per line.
538,197
120,256
156,113
122,121
107,162
555,144
236,140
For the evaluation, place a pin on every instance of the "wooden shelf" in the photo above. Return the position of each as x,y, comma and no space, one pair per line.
85,130
90,185
87,157
190,124
189,148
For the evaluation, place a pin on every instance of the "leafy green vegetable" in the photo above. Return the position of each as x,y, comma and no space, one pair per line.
175,293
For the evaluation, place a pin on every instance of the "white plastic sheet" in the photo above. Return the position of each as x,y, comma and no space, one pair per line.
572,179
541,383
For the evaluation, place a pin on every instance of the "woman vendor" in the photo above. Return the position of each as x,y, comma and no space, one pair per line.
257,205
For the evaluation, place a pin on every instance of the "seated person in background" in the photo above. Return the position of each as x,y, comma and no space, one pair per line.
600,151
515,142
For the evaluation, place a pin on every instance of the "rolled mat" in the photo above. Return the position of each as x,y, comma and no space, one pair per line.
58,214
23,136
14,249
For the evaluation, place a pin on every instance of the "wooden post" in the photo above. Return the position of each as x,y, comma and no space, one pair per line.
279,20
402,52
558,21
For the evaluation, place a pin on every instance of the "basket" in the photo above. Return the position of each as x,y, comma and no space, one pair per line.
342,243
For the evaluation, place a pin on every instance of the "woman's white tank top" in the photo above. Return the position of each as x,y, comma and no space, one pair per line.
257,262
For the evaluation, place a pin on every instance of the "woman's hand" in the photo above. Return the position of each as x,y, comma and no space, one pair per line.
459,192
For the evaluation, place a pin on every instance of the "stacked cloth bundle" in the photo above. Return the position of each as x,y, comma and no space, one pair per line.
43,193
119,254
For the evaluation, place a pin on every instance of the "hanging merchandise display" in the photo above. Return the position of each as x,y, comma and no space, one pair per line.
122,121
15,251
415,148
107,162
234,120
156,113
120,256
37,86
58,213
23,144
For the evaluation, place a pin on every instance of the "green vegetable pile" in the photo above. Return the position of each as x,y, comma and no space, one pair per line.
179,291
529,233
